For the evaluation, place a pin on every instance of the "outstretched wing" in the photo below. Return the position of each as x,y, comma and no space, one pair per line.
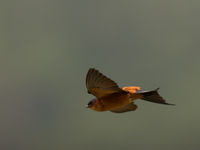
100,85
126,108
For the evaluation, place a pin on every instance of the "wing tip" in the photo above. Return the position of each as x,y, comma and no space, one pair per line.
92,69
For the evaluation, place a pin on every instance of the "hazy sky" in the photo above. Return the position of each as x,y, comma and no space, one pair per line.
47,47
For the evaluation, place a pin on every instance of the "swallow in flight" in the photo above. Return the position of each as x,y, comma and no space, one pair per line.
109,97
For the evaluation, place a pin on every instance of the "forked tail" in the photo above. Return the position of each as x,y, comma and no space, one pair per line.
153,96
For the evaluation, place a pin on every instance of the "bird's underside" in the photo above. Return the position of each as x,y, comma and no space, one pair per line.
112,98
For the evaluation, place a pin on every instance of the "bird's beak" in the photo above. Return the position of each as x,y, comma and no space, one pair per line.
86,106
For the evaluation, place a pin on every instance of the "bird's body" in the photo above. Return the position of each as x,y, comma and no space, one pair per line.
113,101
112,98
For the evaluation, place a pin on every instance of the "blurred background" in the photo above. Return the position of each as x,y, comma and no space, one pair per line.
47,47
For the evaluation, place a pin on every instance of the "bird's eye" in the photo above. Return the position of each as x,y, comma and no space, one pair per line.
90,103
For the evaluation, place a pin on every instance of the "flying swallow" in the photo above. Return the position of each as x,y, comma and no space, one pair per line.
109,97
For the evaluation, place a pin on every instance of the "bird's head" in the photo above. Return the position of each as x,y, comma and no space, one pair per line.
94,104
90,103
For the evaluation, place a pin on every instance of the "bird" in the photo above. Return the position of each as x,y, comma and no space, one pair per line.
110,97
